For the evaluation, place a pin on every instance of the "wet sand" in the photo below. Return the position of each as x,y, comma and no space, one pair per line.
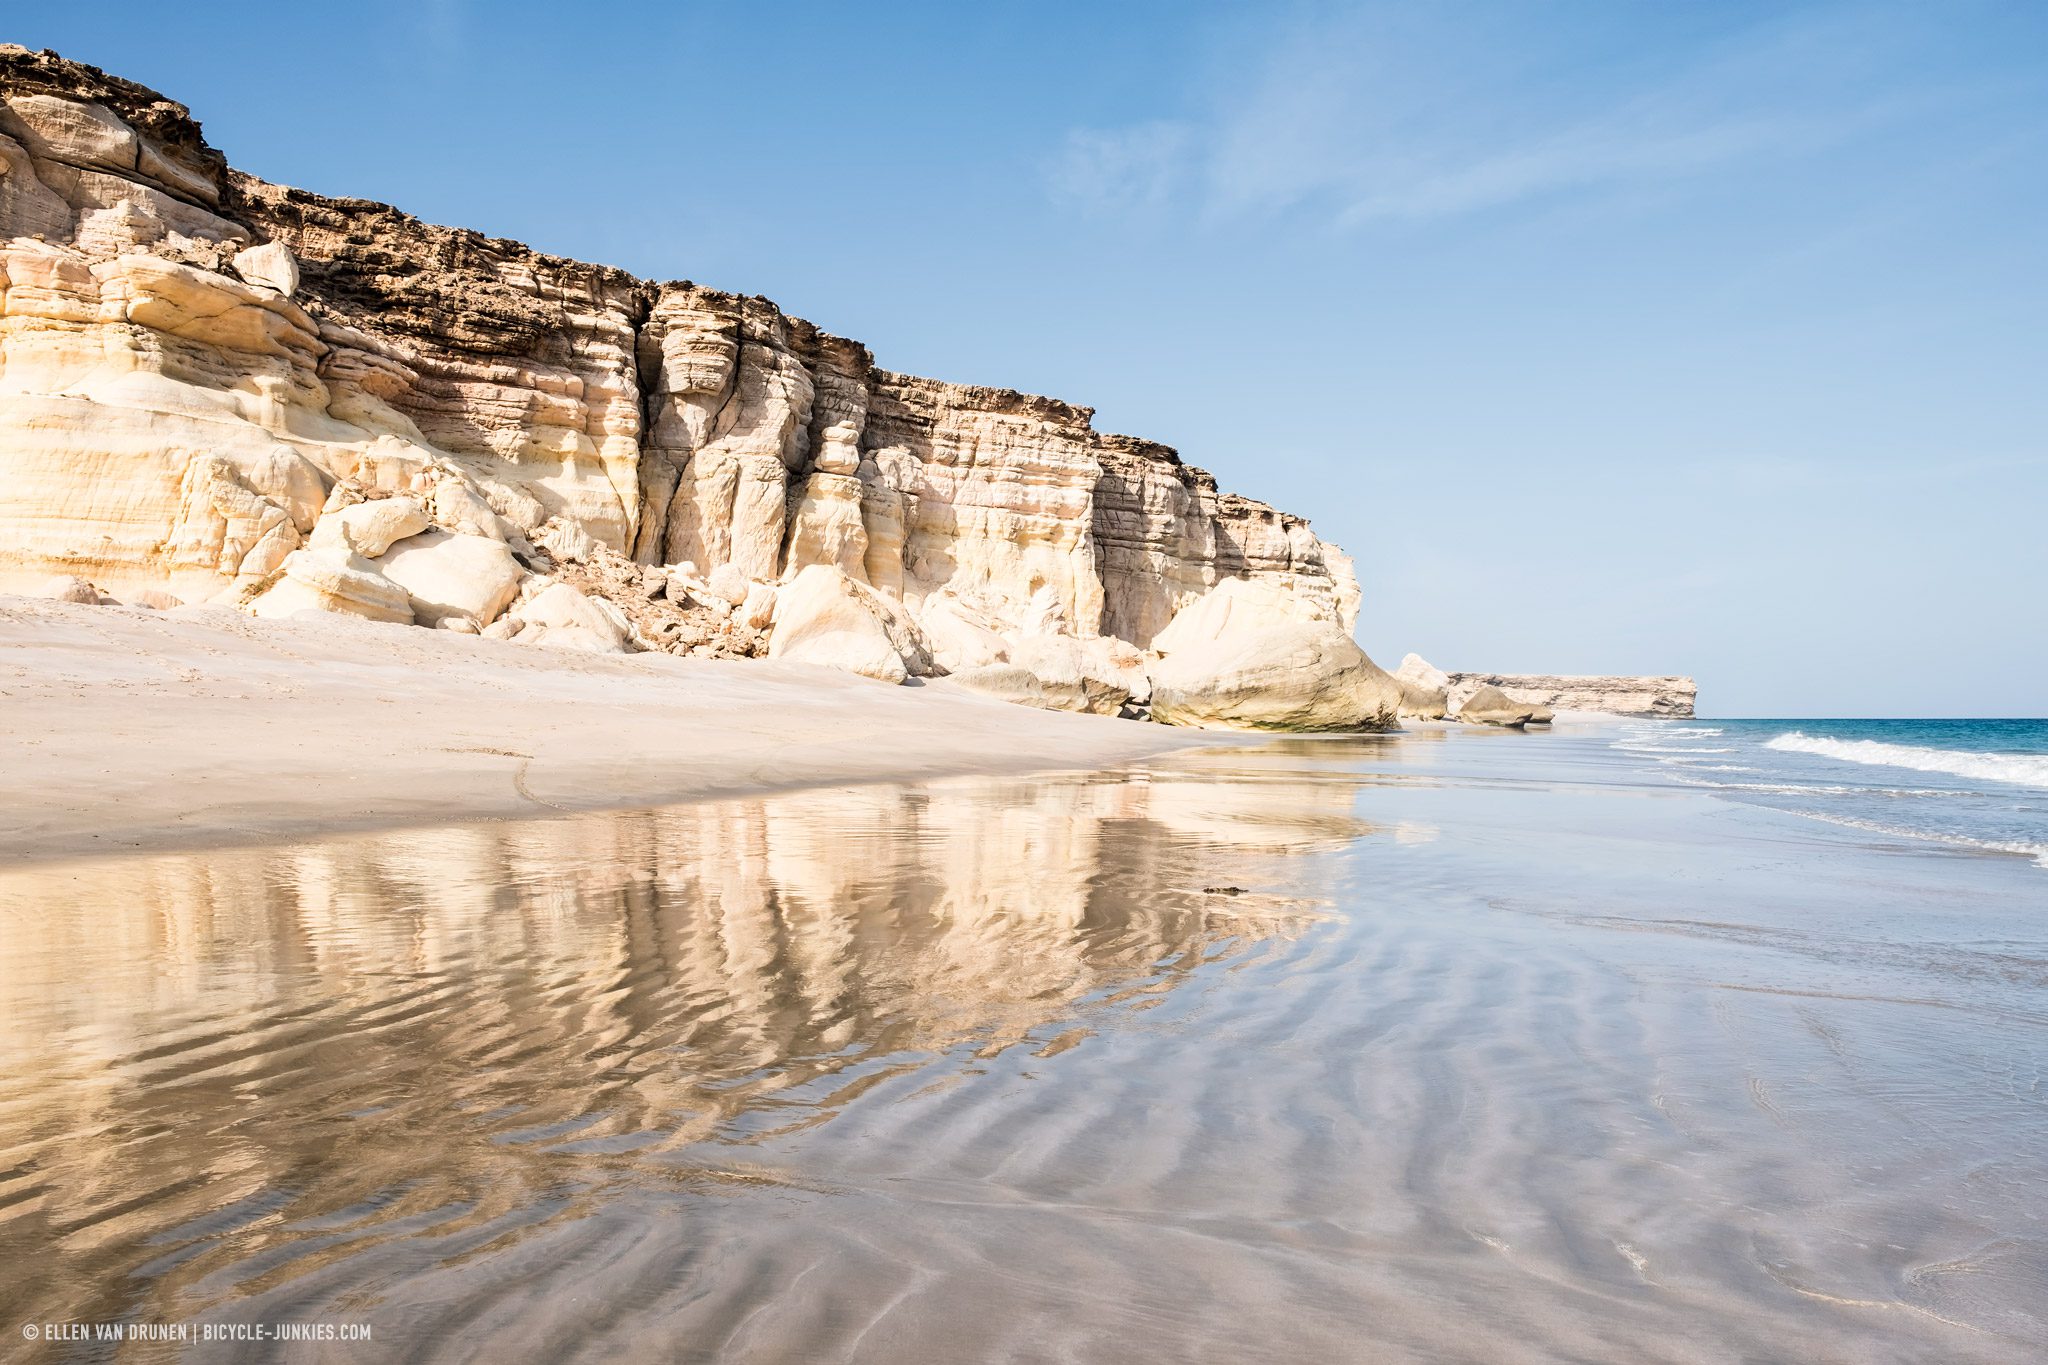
124,728
1452,1046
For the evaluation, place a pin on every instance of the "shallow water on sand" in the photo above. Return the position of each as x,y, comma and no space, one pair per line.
1437,1047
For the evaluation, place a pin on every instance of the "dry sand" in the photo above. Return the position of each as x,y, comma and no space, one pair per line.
124,728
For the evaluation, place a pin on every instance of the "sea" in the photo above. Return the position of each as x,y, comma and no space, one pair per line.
1977,786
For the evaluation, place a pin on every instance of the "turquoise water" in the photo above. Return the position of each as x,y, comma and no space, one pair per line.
1977,786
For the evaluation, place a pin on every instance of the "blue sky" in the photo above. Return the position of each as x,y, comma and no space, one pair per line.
1626,337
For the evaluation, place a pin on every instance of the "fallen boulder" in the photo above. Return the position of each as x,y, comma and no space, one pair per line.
560,617
1290,675
1491,706
1022,687
459,506
961,638
1422,673
757,611
824,617
1421,703
729,584
448,574
65,588
1056,673
368,528
333,581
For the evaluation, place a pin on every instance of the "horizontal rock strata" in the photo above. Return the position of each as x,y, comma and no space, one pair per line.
1662,698
199,370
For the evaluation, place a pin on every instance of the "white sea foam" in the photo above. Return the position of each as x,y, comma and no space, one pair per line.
1684,778
2038,852
1666,749
2024,770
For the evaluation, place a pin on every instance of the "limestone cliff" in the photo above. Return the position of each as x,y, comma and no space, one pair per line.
202,373
1662,698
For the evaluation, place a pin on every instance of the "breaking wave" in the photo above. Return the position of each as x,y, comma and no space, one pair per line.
2025,770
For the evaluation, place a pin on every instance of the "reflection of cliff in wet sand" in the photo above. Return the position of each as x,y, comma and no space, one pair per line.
294,1056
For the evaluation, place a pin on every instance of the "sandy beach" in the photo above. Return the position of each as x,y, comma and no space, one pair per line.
1459,1044
123,728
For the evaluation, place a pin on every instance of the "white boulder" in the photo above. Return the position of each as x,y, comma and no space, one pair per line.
1421,703
560,617
960,638
758,610
453,575
1491,706
1424,688
333,580
564,540
729,584
65,588
1291,675
1420,671
458,506
1056,673
368,528
823,617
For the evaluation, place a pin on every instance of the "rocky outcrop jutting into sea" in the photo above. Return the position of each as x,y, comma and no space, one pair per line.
217,389
1663,698
1520,698
1495,698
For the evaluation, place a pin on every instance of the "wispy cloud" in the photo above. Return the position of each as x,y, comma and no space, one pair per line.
1363,120
1120,170
1574,159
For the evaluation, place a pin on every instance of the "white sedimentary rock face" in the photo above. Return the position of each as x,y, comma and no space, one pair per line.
203,377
